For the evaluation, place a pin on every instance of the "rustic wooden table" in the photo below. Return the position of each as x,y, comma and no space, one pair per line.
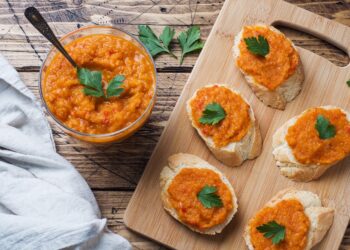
113,172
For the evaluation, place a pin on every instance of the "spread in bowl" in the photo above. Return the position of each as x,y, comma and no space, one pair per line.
183,196
99,119
309,148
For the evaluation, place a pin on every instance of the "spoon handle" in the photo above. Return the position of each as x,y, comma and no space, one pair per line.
37,20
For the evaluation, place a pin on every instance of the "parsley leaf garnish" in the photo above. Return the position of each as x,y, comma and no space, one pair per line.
259,47
348,83
274,230
154,44
190,41
208,197
325,129
212,114
92,81
113,86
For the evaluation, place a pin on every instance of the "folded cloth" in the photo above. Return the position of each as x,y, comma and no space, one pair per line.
44,202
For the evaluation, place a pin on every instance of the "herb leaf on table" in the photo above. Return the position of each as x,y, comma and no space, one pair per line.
154,44
190,41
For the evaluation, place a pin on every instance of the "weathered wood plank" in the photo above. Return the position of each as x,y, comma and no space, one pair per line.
181,12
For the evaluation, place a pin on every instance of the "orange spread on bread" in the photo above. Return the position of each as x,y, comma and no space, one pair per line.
270,71
287,213
237,121
183,192
309,148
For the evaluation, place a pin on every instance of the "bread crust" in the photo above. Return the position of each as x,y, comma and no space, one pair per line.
284,93
285,160
179,161
321,218
235,153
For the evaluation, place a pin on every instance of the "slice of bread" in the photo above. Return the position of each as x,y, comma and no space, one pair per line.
321,218
233,154
284,93
178,162
285,160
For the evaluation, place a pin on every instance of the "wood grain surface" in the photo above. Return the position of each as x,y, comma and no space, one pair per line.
114,172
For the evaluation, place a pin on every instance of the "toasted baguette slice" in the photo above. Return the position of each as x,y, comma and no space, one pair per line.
321,218
284,93
175,164
285,160
234,153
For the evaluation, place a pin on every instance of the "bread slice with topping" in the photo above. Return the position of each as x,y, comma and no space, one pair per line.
300,213
299,149
236,137
182,180
270,64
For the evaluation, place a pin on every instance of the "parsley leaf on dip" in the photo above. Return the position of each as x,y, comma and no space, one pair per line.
113,86
325,129
259,47
208,197
273,230
92,81
212,114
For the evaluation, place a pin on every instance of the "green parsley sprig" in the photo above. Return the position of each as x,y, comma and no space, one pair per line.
324,127
190,41
154,44
212,114
348,83
258,46
92,81
273,230
208,197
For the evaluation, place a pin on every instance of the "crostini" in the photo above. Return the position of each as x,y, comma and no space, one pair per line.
290,220
270,63
310,143
226,122
197,194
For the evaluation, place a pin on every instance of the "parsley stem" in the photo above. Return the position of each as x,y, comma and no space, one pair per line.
173,55
181,59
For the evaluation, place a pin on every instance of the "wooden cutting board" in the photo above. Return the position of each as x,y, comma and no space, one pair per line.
256,181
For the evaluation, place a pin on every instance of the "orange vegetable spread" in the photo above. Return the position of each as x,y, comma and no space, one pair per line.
237,121
113,56
287,213
308,148
277,66
183,192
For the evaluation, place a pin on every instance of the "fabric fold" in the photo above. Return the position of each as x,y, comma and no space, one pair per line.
44,202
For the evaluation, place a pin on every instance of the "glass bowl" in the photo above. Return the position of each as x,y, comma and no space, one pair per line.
118,135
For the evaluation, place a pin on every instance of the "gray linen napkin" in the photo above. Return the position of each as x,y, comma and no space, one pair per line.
44,202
